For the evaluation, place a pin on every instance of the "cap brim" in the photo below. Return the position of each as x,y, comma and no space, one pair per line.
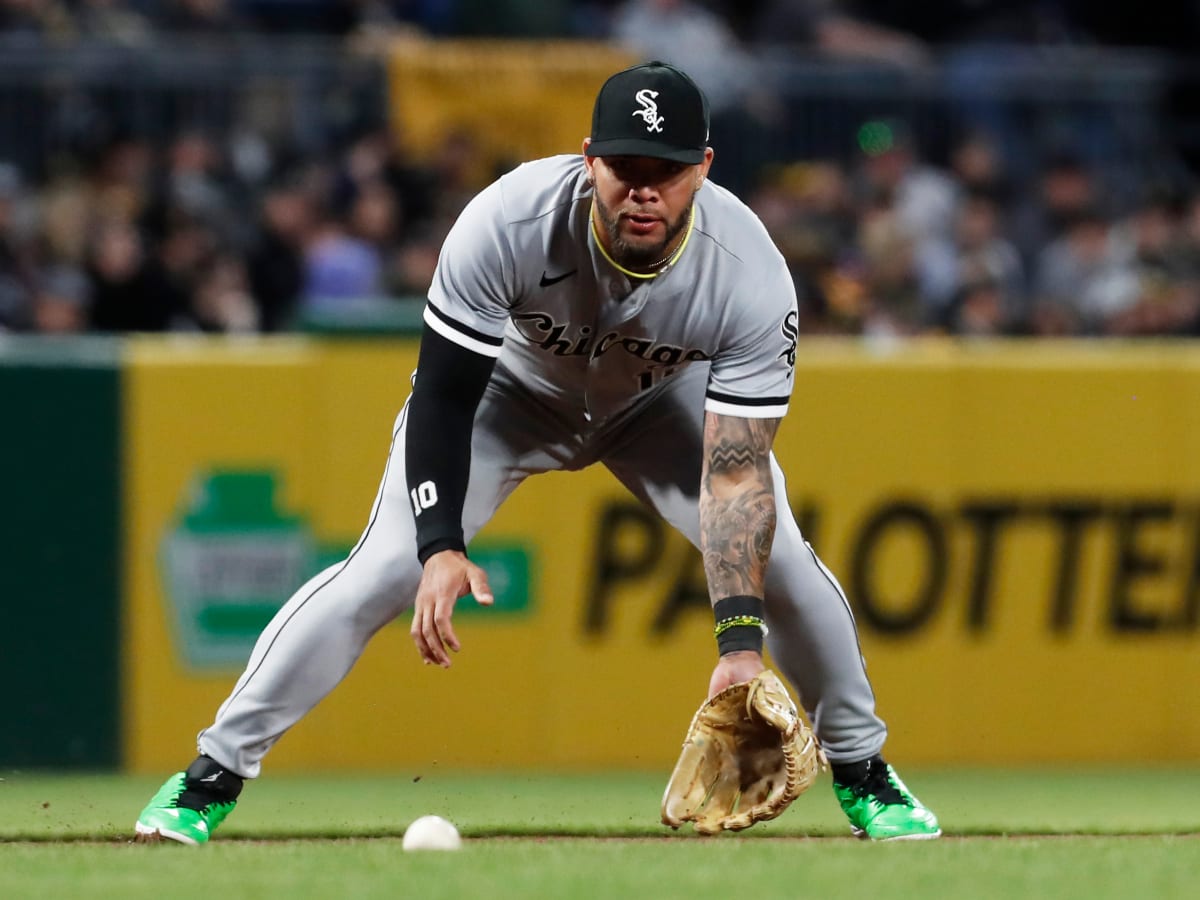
636,147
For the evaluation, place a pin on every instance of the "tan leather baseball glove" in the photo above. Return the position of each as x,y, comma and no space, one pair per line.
747,755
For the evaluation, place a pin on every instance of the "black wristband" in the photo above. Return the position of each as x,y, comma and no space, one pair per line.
740,624
737,605
740,637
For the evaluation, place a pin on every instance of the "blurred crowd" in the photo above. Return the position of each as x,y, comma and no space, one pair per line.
179,237
834,24
892,245
205,231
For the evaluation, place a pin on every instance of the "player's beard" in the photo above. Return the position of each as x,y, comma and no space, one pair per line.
639,256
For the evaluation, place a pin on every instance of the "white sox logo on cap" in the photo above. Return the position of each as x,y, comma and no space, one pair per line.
633,108
649,110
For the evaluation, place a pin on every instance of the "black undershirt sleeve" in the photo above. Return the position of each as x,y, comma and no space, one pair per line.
437,452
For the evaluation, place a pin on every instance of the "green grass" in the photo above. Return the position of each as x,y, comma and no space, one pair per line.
1010,834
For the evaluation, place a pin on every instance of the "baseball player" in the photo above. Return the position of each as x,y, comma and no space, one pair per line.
616,308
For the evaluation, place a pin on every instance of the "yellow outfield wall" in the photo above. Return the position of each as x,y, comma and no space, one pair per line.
1018,528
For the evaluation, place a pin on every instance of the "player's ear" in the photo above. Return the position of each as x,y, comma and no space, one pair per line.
702,168
588,162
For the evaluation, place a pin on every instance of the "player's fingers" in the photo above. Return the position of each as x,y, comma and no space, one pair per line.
417,631
480,589
425,631
433,641
445,630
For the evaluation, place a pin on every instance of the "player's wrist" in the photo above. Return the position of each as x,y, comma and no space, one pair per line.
441,556
740,624
437,545
742,657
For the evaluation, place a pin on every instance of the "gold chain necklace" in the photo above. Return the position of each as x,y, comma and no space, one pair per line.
669,258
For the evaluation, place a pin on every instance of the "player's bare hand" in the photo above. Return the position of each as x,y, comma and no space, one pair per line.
447,576
734,668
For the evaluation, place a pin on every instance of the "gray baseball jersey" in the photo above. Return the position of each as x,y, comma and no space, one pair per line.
521,277
592,365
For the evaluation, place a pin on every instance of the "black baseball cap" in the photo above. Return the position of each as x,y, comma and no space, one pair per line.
652,109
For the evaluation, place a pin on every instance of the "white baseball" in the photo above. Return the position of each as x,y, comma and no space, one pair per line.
432,833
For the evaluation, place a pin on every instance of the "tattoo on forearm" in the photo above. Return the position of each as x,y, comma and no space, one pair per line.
729,457
737,503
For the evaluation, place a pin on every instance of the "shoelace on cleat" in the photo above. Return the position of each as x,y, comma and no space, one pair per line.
210,802
878,784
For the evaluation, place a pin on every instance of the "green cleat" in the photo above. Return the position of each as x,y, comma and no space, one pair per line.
164,817
881,808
